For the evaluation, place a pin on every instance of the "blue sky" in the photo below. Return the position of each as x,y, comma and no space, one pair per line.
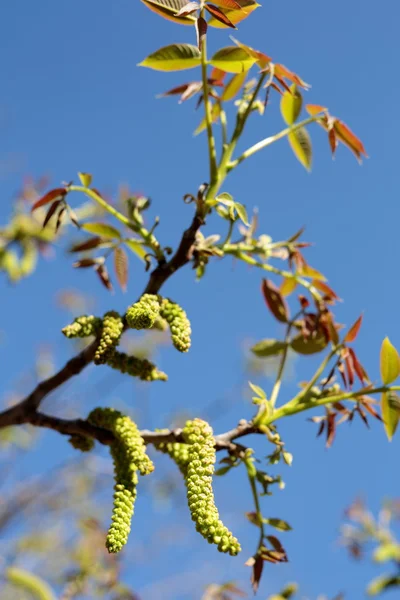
73,99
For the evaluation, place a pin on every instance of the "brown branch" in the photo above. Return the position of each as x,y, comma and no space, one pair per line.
28,406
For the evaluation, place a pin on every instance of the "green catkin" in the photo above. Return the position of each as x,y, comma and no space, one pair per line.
136,367
83,326
128,452
200,469
110,335
178,452
81,442
144,313
179,324
34,585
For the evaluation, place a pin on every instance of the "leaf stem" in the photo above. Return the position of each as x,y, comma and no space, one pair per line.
210,136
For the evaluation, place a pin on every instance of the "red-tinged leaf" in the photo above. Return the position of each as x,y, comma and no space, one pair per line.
56,194
201,31
331,429
89,244
102,272
283,72
84,263
276,88
296,236
321,428
288,286
73,217
262,59
359,369
348,361
315,109
342,372
230,4
188,9
362,415
348,138
275,301
258,565
370,409
325,289
121,267
187,90
60,218
216,73
353,331
331,328
219,15
333,141
51,212
276,544
304,302
283,83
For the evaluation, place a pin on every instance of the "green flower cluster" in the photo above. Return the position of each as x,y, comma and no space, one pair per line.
81,442
129,456
200,469
83,326
110,335
136,367
178,322
144,313
178,452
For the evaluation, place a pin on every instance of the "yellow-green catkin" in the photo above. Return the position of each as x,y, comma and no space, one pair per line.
178,323
83,326
136,367
200,469
129,456
179,453
111,332
144,313
30,583
81,442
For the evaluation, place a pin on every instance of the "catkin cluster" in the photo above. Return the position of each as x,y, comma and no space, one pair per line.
136,367
178,452
200,469
129,456
111,332
83,326
144,313
81,442
178,323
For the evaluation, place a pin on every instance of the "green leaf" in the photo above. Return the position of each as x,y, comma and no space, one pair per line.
102,229
257,390
176,57
233,86
85,179
291,103
232,60
242,213
278,524
268,347
136,248
390,407
382,583
300,143
389,362
168,10
311,345
215,112
225,199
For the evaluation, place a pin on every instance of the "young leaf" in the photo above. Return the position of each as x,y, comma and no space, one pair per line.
291,103
353,331
235,15
309,345
348,138
268,347
261,58
242,213
283,72
102,229
218,14
188,9
201,31
56,194
307,271
93,242
389,362
136,248
121,267
215,113
51,212
275,301
102,272
278,524
84,263
390,407
176,57
288,286
300,143
232,88
315,109
169,9
258,391
85,179
232,59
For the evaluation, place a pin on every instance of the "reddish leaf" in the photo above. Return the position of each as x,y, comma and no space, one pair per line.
359,369
321,428
89,244
282,71
56,194
121,267
102,272
348,361
343,374
304,302
353,331
219,15
201,31
331,429
333,141
348,138
369,409
362,415
275,301
84,263
51,212
217,74
258,564
59,218
296,236
315,109
232,4
325,289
